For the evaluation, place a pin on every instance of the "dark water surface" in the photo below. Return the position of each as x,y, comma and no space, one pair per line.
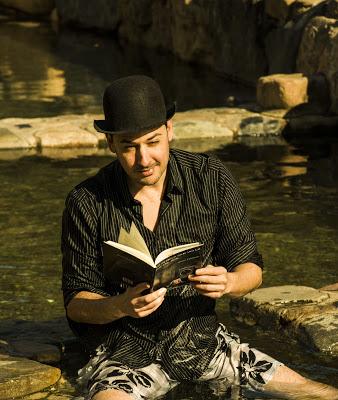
291,188
44,73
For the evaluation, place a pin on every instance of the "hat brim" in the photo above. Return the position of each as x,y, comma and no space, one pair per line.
103,126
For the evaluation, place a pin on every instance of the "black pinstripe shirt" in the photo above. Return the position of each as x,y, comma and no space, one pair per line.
202,203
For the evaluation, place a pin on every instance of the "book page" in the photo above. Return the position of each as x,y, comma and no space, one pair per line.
133,239
134,252
175,250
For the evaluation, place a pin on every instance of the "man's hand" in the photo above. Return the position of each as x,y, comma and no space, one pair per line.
212,281
215,282
133,304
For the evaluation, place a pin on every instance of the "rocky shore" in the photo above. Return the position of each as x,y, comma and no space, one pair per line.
228,123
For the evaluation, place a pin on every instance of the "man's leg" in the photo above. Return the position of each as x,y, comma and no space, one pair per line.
288,384
238,364
112,394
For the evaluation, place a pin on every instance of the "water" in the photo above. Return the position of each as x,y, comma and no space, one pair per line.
291,187
66,72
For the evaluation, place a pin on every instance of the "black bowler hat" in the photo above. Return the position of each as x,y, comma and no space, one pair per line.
133,104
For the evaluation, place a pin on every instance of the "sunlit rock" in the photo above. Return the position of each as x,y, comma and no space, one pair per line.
282,90
20,376
308,314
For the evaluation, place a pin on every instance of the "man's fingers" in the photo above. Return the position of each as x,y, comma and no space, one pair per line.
209,288
210,270
151,306
213,279
149,298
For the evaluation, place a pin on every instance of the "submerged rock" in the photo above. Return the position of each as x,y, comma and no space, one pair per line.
308,314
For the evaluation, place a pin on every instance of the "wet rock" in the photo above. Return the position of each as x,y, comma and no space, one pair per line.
318,52
34,7
282,90
308,314
20,376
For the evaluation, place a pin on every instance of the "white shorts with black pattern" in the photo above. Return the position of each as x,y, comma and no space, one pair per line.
234,364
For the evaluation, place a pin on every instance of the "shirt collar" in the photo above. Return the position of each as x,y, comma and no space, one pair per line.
175,181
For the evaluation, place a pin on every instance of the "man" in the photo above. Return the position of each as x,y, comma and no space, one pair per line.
146,343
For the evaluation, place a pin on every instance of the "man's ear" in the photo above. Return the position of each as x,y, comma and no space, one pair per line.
110,142
170,129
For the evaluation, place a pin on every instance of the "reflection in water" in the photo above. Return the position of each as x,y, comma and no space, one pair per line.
43,73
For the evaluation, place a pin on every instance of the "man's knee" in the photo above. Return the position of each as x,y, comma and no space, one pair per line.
112,394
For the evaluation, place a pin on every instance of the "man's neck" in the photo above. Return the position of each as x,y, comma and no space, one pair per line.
149,191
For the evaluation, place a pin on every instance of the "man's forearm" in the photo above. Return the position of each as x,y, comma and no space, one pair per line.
244,279
93,308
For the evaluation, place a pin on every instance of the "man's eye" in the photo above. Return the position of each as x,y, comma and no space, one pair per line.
154,142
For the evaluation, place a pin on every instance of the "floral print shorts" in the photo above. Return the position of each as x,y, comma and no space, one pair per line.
234,363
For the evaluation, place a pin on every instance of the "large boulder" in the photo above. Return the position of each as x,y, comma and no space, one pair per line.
318,52
34,7
282,90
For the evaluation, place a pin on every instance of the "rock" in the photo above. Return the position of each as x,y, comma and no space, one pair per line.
318,53
308,314
278,9
302,6
8,140
20,377
34,7
99,14
36,396
282,90
282,43
286,295
65,131
207,32
312,124
42,352
334,286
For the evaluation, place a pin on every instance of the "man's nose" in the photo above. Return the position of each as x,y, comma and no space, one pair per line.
143,157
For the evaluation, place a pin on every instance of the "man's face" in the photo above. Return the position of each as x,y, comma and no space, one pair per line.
144,156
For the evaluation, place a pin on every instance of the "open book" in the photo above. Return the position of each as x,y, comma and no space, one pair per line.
128,261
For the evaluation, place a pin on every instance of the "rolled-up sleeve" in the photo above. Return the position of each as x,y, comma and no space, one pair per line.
235,240
81,249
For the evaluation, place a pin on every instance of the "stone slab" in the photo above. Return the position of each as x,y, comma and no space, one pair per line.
9,140
307,314
20,377
286,294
